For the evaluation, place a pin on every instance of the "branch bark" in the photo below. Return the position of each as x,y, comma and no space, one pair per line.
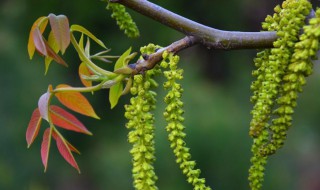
148,62
210,37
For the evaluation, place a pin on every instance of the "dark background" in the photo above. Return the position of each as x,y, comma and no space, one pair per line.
216,103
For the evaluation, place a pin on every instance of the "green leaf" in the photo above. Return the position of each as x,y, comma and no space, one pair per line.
61,32
81,29
120,61
115,93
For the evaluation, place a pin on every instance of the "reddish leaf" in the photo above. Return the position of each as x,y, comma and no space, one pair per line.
66,120
71,147
40,23
75,101
33,127
53,55
39,42
65,151
45,147
60,28
54,46
84,71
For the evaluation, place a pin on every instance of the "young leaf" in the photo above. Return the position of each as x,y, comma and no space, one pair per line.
75,101
115,93
33,127
40,23
71,147
43,104
53,44
54,55
60,28
65,152
121,59
66,120
81,29
39,42
45,147
84,71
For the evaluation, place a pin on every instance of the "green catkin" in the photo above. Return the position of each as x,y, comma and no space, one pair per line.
141,124
124,20
173,115
272,73
299,68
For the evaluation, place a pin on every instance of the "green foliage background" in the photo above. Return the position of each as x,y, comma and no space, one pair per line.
216,103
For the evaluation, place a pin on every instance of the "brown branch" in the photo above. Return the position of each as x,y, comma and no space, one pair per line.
210,37
148,62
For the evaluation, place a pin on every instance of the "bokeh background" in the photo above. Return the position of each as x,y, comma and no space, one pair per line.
216,103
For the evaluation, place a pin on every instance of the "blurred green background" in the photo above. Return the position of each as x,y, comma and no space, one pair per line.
216,95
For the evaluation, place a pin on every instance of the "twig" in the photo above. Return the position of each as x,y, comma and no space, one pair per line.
151,60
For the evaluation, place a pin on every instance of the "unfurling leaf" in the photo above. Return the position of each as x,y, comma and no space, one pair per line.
53,44
115,93
66,120
43,104
120,61
75,101
39,42
33,127
127,87
41,24
84,71
65,151
60,29
123,70
81,29
45,147
54,56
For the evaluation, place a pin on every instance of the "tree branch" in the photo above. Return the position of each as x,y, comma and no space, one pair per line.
149,61
210,37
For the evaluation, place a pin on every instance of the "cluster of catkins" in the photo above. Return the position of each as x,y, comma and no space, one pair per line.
280,75
141,123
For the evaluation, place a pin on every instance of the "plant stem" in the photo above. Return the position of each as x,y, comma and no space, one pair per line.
210,37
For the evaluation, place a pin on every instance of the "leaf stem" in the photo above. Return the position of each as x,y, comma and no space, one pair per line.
80,89
86,60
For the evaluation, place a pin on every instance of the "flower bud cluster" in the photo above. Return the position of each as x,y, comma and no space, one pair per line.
141,124
174,116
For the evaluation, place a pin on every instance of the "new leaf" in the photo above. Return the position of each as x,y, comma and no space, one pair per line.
39,24
65,150
61,32
66,120
33,127
75,101
45,147
115,93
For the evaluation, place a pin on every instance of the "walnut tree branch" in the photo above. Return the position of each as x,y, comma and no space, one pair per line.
149,61
210,37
